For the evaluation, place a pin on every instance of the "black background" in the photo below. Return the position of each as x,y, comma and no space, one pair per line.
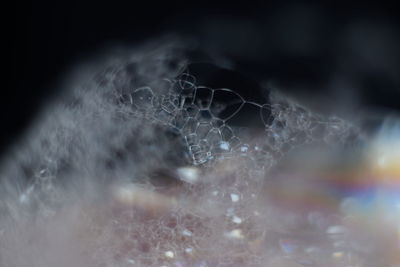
317,51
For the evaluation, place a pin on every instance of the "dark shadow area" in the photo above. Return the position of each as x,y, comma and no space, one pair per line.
324,54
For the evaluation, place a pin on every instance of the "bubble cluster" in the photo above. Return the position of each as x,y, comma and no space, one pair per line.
142,165
202,115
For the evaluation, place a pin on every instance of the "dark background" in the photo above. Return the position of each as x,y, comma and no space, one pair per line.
329,55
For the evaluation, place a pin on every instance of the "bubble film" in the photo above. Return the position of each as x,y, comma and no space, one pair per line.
139,164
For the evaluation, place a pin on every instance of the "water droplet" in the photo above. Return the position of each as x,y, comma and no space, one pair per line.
336,229
188,174
235,234
234,197
187,232
224,146
130,261
236,220
169,254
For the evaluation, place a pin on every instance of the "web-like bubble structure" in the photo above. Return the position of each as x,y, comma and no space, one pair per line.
202,115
